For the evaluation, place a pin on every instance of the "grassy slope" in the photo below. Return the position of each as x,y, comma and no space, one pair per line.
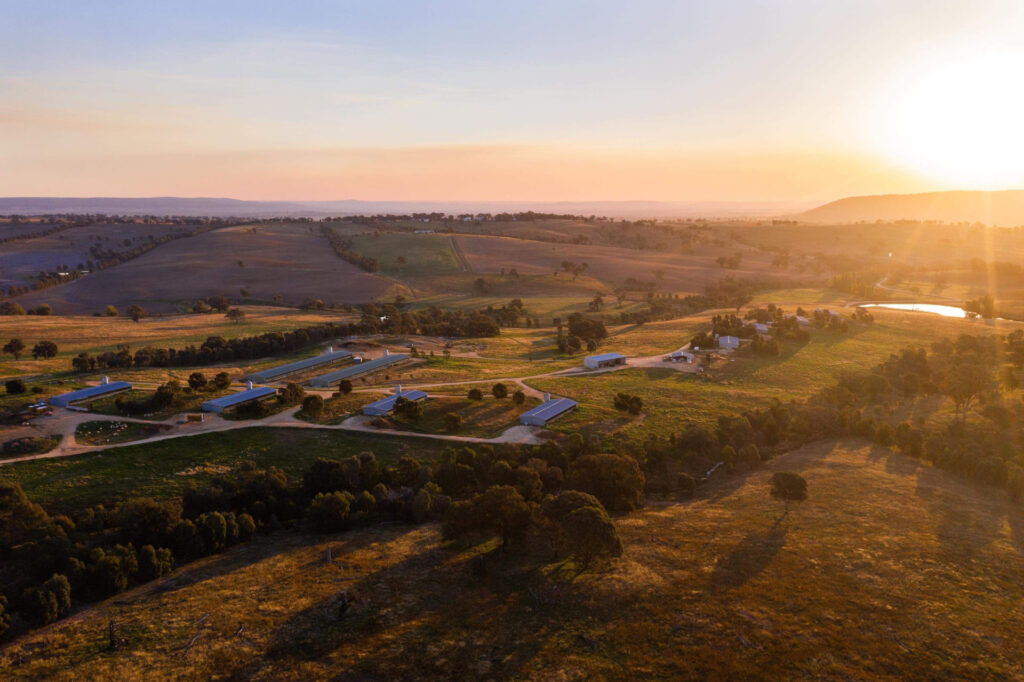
889,570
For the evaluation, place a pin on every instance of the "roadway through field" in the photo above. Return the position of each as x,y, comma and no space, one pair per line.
460,256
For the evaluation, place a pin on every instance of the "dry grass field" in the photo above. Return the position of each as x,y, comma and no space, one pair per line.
611,265
293,261
888,570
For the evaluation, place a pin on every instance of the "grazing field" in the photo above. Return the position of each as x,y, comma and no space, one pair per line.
425,255
485,418
611,265
74,335
290,261
162,469
70,249
930,563
110,433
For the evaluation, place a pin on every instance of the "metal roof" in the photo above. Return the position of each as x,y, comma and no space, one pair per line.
601,357
356,369
232,399
78,396
549,410
298,365
385,405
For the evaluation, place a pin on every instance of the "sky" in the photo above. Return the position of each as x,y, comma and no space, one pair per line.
730,100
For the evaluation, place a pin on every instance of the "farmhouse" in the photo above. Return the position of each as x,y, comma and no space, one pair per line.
235,399
329,358
332,378
386,405
549,410
105,389
728,342
604,360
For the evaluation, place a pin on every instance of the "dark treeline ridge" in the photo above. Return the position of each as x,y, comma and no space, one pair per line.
430,322
548,498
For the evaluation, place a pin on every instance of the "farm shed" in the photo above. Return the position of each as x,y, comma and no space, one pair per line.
330,357
105,389
332,378
604,360
761,328
682,356
240,398
385,405
549,410
728,342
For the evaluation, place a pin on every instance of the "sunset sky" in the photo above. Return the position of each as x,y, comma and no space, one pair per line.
706,101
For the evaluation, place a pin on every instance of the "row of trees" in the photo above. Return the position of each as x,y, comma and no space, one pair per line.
343,247
41,350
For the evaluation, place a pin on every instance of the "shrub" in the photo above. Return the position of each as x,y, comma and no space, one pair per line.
221,381
345,386
475,394
686,485
154,563
500,390
196,380
628,403
519,397
408,409
44,349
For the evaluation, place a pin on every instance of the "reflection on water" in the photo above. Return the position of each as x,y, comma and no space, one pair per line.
944,310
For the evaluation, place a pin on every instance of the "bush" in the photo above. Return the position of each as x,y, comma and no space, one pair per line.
15,386
345,386
475,394
44,349
628,403
500,390
788,487
591,534
408,409
613,479
221,381
154,563
312,406
328,512
196,380
519,397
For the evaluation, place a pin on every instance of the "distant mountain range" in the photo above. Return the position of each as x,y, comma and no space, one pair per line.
243,209
1004,208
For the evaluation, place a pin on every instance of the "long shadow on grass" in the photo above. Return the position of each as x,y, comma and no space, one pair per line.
749,558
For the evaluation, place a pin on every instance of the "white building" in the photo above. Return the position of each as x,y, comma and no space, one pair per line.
728,342
604,360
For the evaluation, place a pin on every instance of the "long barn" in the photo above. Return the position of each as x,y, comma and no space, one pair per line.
332,378
107,388
274,373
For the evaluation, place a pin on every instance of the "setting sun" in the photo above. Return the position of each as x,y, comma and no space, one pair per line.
960,122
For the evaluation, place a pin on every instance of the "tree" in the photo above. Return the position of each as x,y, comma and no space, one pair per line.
136,312
11,308
154,563
15,386
292,394
628,403
408,409
43,309
475,394
788,487
111,311
236,315
5,617
221,380
591,534
519,397
345,386
503,510
966,381
313,406
197,380
615,480
500,390
219,303
14,347
328,512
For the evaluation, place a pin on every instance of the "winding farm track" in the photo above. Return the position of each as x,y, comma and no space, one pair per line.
66,422
460,256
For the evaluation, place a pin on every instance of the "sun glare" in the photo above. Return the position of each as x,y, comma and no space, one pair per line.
963,123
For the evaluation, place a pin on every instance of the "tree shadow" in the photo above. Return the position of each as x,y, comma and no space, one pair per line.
749,558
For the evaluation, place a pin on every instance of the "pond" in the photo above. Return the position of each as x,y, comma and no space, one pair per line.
944,310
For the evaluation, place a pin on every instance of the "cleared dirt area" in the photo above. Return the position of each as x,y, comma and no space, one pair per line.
291,261
611,265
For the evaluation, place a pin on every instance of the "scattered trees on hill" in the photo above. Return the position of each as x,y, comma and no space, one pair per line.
11,308
44,349
236,315
14,347
136,312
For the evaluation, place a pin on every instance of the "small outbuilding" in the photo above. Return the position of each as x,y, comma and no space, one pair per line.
604,360
384,406
761,328
547,411
732,342
106,388
682,356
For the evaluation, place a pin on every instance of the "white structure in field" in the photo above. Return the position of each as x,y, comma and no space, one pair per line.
547,411
604,360
731,342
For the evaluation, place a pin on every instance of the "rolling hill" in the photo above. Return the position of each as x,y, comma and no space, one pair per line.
1005,208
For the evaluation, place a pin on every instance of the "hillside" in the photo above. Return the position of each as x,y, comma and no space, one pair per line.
931,563
1004,208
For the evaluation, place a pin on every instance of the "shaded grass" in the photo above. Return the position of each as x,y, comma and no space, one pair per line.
109,433
485,418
